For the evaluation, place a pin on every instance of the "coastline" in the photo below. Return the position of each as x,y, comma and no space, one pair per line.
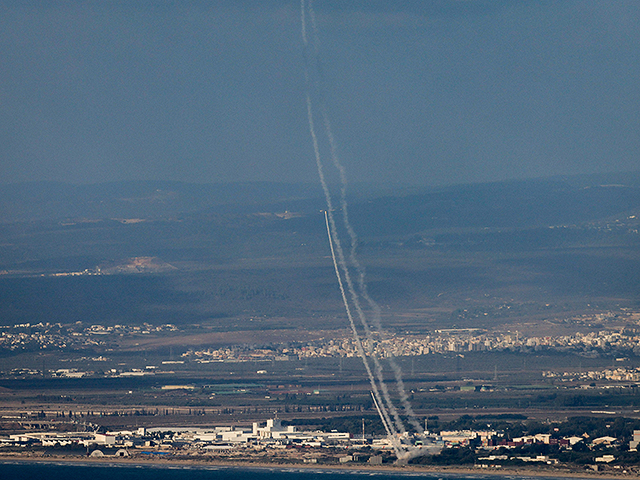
390,469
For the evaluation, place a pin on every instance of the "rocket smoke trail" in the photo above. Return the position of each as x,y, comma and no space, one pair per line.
353,259
335,241
380,391
362,286
384,416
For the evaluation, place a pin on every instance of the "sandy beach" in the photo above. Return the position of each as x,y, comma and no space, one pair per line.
392,469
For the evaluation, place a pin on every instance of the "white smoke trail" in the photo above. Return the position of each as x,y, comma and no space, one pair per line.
303,22
362,287
341,258
397,446
384,416
380,393
342,262
334,239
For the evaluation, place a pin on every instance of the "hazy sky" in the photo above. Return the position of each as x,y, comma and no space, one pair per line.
429,92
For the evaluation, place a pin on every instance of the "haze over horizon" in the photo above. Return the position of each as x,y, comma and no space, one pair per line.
426,93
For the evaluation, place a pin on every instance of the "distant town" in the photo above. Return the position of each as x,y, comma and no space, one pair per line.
617,342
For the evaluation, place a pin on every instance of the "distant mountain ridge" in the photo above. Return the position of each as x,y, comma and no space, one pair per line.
169,252
57,201
375,209
496,205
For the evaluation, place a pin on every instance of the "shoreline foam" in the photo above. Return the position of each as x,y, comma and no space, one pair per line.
391,469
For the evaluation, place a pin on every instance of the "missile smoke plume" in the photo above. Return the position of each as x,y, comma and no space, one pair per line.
384,416
353,259
358,290
334,239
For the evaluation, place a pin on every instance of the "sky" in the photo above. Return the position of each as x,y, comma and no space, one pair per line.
427,93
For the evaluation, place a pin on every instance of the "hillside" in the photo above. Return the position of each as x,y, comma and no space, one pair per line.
222,254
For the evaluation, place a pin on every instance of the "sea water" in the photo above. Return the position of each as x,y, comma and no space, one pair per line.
72,471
